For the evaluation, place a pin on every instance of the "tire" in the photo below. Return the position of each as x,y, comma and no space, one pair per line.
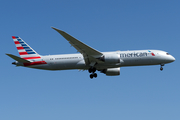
91,76
95,75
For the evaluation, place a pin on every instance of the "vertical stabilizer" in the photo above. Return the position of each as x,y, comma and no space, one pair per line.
25,51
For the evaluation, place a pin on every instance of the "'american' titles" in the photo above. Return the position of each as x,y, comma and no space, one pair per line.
138,54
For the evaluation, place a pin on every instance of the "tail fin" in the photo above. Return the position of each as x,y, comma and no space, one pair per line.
25,51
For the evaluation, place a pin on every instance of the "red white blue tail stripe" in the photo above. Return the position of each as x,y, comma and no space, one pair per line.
26,52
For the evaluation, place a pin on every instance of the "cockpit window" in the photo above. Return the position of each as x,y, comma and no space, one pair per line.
167,54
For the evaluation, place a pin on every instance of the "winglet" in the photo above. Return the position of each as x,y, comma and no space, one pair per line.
18,58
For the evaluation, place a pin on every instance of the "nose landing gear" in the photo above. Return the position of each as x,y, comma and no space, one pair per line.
161,68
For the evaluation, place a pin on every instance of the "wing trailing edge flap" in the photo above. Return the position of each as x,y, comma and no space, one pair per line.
18,58
90,54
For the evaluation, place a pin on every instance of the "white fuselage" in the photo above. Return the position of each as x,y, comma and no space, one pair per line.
127,58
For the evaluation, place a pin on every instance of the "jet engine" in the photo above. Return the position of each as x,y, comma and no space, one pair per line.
111,71
110,58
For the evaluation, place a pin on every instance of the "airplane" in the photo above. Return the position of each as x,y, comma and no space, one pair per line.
89,58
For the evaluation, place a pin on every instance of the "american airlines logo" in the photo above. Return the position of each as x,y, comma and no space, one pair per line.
136,54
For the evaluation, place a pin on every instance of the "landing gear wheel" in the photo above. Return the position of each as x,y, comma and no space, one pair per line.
91,76
95,75
161,68
92,70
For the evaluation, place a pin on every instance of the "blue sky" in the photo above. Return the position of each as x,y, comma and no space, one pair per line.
138,93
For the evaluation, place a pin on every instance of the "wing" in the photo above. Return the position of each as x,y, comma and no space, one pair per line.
90,55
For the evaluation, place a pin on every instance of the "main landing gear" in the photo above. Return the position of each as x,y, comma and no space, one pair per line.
161,68
92,70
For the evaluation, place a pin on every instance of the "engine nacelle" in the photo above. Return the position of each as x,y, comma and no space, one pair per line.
110,58
111,71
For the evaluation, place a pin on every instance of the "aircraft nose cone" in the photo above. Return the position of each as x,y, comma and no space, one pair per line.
171,59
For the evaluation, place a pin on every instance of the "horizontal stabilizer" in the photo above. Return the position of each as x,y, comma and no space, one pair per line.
18,58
